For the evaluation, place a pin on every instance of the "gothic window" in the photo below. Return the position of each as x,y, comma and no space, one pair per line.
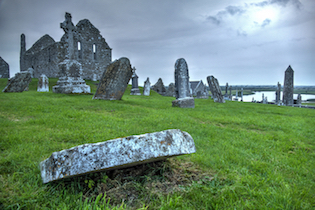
94,51
79,50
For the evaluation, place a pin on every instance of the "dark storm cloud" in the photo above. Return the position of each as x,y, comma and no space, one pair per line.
153,34
265,22
229,10
283,3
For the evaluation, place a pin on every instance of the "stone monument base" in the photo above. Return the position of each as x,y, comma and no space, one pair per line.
135,91
71,81
71,85
184,102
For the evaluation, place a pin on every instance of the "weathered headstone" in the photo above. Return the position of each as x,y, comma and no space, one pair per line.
215,89
115,80
182,91
134,89
299,100
262,97
287,98
116,153
236,95
18,83
43,84
70,70
4,69
159,87
278,91
170,91
146,87
226,95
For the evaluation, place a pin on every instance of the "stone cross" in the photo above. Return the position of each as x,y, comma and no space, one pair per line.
287,98
134,89
69,30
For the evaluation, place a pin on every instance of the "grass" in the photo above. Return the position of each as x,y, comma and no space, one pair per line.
257,156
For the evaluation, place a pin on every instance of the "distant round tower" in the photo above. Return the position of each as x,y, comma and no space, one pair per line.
22,53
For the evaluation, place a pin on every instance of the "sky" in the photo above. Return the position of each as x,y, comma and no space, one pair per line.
242,42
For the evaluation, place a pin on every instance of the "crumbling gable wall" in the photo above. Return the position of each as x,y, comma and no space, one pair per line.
43,57
4,69
91,51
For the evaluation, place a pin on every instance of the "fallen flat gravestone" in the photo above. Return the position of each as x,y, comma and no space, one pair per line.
116,153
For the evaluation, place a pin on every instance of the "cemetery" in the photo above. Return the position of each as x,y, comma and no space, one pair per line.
82,137
237,155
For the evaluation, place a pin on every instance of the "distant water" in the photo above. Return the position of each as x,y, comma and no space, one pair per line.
271,96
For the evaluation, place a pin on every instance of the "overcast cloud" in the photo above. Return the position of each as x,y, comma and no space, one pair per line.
237,41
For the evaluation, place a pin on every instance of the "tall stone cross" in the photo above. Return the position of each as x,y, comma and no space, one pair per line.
69,30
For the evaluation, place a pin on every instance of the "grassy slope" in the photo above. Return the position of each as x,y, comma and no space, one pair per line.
263,155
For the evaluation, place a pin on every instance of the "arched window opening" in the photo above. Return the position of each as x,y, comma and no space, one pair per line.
79,50
94,51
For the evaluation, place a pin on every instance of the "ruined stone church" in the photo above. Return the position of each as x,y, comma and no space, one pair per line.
91,50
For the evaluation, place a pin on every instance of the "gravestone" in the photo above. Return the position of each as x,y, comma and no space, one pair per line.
159,87
114,80
4,69
170,90
262,98
241,94
236,95
226,95
182,90
134,89
146,87
115,154
288,87
299,100
70,70
230,95
278,91
215,89
43,84
18,83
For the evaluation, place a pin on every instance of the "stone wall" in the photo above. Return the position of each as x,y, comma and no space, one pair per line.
91,51
4,69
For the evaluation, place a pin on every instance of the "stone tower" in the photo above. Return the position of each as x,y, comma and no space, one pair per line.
287,98
22,53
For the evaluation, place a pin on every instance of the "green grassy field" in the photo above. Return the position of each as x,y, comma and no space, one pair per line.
251,156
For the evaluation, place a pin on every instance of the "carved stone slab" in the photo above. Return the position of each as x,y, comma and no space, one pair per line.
116,153
43,84
18,83
114,80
